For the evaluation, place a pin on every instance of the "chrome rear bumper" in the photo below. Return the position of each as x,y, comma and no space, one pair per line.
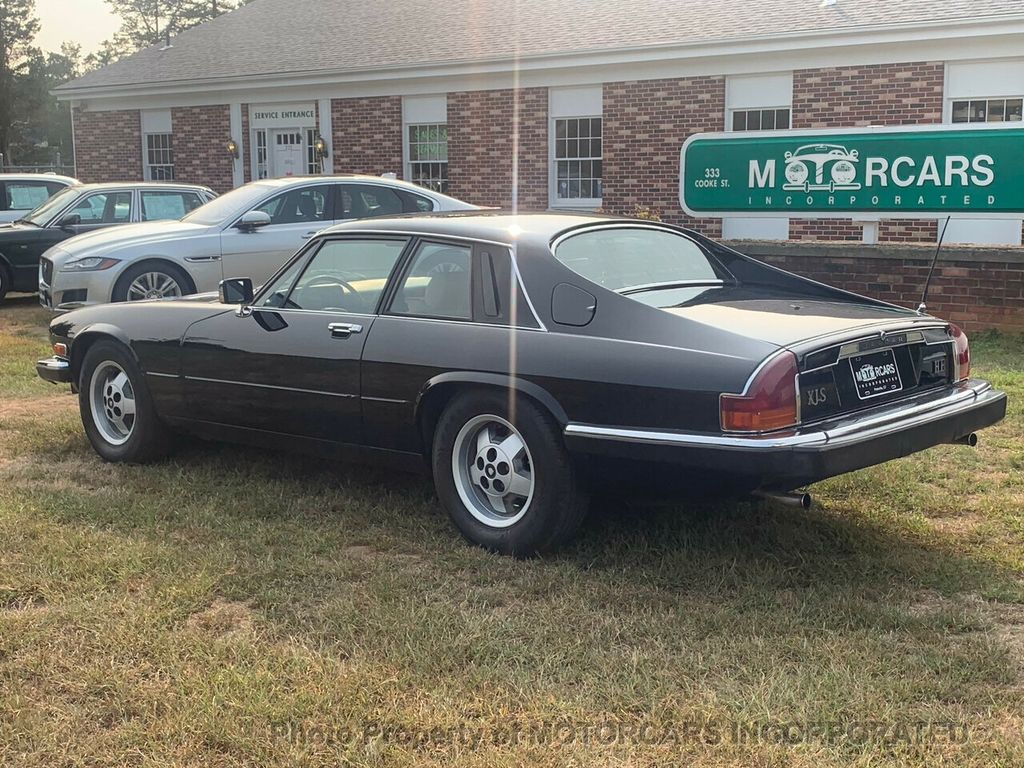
791,459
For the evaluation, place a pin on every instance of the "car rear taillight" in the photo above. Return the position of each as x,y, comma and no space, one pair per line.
961,353
770,401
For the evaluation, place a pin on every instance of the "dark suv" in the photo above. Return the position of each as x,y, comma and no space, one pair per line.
83,208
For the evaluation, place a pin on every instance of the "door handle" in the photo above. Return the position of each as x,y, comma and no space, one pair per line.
343,330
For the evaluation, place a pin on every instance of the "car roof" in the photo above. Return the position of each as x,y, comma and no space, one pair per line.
284,181
142,185
39,177
533,229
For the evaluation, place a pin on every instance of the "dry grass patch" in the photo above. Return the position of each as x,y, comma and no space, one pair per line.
235,607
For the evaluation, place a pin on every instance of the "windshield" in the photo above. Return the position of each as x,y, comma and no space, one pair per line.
41,214
637,260
222,209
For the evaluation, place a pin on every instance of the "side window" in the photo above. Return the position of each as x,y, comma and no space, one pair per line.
25,195
437,284
416,203
499,297
342,276
105,208
361,201
298,205
158,205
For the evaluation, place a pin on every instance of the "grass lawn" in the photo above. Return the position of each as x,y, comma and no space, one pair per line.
236,607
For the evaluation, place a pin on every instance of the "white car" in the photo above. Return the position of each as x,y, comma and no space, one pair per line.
21,192
249,231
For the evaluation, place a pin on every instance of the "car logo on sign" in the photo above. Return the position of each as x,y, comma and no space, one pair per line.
806,168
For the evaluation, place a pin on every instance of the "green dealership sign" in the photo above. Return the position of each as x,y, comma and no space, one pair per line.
897,172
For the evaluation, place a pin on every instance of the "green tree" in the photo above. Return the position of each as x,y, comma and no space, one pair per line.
150,22
41,131
18,27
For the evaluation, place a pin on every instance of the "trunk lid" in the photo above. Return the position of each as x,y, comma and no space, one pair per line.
851,356
788,320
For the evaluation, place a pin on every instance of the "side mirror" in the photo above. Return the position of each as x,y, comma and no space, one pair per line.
252,221
71,220
235,290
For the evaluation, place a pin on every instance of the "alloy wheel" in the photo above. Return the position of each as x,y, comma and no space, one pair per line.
112,400
153,285
493,471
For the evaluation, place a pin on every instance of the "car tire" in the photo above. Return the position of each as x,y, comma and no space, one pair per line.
532,501
116,407
5,281
180,284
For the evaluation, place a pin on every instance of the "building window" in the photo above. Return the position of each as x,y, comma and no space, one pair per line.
768,119
314,164
578,155
988,110
261,153
159,157
428,156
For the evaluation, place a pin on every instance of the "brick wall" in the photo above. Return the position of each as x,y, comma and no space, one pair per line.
200,138
108,145
247,149
645,125
367,135
482,147
975,293
880,94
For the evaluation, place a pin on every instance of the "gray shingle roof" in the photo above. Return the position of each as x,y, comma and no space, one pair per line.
307,36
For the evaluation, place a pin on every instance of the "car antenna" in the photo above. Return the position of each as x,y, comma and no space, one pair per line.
922,307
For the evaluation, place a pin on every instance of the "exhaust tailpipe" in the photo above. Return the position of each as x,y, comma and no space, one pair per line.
970,440
795,499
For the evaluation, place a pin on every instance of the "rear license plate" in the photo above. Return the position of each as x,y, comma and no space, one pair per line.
875,374
818,395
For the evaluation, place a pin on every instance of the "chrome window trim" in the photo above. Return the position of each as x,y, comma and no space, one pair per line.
862,427
299,310
277,190
170,186
472,323
461,238
638,224
85,193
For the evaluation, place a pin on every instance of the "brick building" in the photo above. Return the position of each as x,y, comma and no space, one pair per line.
577,104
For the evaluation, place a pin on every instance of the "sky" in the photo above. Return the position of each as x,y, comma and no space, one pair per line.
86,22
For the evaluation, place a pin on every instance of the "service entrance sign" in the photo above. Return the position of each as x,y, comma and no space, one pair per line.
900,172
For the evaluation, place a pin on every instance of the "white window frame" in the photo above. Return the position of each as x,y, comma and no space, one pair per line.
444,181
982,80
156,122
987,100
417,111
582,103
730,115
147,159
745,93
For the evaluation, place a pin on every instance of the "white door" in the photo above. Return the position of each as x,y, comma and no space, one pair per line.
288,154
295,216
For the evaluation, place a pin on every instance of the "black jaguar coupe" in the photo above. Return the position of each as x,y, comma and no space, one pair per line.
525,360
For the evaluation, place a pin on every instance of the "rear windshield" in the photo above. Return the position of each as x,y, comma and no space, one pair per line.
634,260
